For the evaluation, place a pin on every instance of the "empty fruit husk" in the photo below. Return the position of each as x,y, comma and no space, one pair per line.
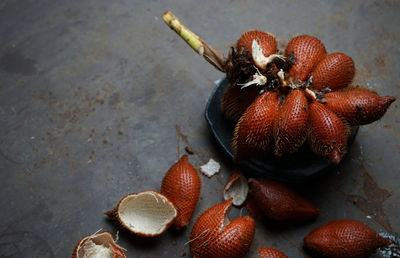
236,188
147,213
276,97
214,235
101,244
181,185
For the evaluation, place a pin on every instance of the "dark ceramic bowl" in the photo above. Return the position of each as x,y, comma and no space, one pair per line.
297,168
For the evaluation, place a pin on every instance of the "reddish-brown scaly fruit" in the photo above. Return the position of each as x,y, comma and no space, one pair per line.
278,202
254,132
335,71
213,235
235,100
358,106
291,123
267,252
308,51
306,67
344,238
181,185
266,41
328,135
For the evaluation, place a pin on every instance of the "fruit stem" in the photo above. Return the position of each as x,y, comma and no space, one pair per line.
212,55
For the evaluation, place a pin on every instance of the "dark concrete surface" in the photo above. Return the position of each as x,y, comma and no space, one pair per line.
99,98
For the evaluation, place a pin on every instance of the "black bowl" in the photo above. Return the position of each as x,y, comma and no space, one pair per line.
300,167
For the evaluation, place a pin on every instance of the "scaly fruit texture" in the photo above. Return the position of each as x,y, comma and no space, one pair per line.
213,235
268,252
261,114
335,71
181,185
278,202
308,52
236,100
328,134
301,74
304,95
268,41
358,106
344,238
291,123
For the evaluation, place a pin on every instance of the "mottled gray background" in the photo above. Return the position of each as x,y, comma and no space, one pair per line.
99,98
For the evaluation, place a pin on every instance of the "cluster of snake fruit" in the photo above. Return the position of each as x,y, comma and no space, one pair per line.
279,102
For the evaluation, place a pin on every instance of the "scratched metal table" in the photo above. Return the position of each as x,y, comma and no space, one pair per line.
99,98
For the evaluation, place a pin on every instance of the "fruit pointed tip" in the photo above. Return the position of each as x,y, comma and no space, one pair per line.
335,157
110,213
388,100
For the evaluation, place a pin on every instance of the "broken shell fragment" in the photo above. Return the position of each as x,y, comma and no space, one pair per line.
236,188
278,202
344,238
358,106
328,135
147,213
101,244
335,71
214,235
210,168
181,185
267,252
308,51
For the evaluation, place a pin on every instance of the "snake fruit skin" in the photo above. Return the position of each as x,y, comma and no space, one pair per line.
265,40
104,239
308,51
308,75
254,132
358,106
291,123
147,213
181,185
235,101
328,135
278,202
335,71
214,236
344,238
267,252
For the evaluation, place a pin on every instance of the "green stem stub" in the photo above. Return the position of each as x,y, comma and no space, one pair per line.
212,55
188,36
